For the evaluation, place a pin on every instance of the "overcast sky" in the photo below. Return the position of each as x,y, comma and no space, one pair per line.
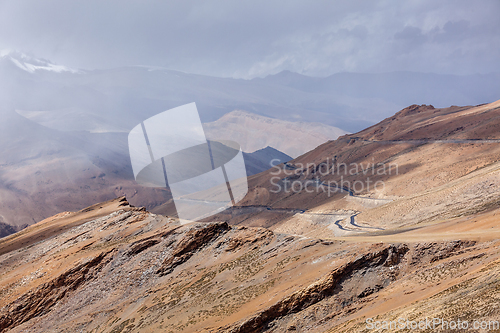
247,39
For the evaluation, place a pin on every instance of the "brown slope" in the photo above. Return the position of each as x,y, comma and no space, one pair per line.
59,223
133,271
45,171
431,173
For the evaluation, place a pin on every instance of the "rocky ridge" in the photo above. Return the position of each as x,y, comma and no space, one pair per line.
118,268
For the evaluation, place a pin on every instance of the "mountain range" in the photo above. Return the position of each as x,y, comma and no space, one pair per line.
63,131
252,132
326,255
421,166
119,98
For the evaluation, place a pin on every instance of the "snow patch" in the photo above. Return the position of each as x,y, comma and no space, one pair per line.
50,67
31,65
5,52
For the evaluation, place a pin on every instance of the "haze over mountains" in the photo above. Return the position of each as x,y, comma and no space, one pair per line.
121,97
324,255
424,246
252,132
431,165
249,167
64,130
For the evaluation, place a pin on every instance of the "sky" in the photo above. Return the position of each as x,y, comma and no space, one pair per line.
247,39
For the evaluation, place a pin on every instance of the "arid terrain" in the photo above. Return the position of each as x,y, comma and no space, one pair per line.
115,268
46,171
431,164
330,259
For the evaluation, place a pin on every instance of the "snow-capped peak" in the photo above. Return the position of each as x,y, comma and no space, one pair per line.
4,52
31,65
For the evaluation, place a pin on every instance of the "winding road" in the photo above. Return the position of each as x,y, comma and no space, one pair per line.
243,210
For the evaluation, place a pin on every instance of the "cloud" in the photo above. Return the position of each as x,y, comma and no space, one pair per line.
412,34
256,38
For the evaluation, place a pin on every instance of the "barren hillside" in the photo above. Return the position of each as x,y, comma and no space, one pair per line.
116,268
422,165
425,245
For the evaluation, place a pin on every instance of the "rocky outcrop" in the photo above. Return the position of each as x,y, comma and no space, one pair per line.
142,245
247,236
327,286
149,273
438,251
192,241
6,229
39,301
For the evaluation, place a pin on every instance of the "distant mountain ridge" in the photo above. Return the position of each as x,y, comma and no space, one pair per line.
401,87
430,164
253,132
127,95
30,64
263,159
80,154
